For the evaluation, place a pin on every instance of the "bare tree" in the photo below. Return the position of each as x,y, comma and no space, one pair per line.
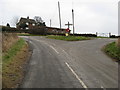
14,20
38,19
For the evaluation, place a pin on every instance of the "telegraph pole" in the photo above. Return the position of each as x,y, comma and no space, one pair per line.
73,21
50,22
59,14
118,24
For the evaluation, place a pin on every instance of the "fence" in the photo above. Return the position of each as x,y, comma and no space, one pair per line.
103,34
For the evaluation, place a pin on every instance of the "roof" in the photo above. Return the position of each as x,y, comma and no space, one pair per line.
27,20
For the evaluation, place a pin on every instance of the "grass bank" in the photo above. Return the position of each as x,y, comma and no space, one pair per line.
12,64
68,38
113,51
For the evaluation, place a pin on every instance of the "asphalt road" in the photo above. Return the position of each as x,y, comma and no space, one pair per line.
65,64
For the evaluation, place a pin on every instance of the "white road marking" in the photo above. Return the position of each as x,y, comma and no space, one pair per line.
24,36
30,42
81,82
40,41
48,45
54,49
103,88
64,52
54,44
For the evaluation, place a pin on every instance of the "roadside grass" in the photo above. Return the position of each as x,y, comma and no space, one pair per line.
68,38
113,51
13,50
12,62
101,37
27,34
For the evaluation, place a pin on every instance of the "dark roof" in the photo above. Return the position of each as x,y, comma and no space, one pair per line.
27,20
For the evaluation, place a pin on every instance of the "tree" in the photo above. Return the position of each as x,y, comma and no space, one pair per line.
39,21
8,25
14,20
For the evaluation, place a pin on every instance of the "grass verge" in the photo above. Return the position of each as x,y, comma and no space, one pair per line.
12,64
101,37
13,50
68,38
27,34
113,51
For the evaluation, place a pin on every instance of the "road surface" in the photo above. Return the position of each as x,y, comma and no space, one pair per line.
65,64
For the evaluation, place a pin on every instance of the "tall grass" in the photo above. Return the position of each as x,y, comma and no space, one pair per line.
13,50
12,63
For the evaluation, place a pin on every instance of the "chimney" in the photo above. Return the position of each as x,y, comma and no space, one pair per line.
27,17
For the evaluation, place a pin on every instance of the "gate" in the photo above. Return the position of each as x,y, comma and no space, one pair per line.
103,34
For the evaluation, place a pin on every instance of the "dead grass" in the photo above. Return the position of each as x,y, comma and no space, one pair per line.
8,39
13,71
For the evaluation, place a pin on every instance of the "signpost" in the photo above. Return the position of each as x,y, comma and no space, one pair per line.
68,25
68,29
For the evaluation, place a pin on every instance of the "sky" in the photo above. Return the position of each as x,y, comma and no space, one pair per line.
91,16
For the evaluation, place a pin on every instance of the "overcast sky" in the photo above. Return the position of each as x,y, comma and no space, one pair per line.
90,15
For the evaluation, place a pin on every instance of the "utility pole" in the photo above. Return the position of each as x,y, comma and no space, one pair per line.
2,23
50,22
73,21
59,14
119,27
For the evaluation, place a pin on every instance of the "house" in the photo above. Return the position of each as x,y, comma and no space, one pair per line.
38,28
26,23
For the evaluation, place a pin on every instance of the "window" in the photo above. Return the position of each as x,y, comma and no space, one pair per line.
27,23
27,28
33,24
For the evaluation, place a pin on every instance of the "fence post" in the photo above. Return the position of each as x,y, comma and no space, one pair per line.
109,34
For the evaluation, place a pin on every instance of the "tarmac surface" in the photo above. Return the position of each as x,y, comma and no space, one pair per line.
65,64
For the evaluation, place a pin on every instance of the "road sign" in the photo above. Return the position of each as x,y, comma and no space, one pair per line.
67,30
